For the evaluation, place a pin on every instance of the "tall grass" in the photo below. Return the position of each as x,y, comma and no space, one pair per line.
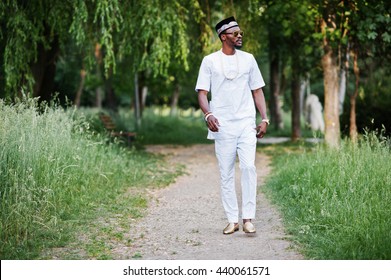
55,173
336,203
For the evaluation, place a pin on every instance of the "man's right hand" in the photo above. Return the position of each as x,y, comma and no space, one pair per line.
213,123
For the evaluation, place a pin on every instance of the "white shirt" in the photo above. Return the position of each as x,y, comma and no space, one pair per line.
230,79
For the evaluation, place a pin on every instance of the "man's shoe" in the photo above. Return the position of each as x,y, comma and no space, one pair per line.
231,228
248,227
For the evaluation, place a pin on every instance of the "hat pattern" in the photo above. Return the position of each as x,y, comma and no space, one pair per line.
225,24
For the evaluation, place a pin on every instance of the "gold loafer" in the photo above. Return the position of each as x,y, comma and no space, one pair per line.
248,227
231,228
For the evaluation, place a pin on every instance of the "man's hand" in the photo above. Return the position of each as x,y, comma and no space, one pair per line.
213,123
261,129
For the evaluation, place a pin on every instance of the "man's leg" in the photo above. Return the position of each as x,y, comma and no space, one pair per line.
246,151
226,156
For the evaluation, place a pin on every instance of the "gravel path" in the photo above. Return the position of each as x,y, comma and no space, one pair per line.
186,219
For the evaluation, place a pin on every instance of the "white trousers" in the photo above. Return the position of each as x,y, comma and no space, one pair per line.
226,150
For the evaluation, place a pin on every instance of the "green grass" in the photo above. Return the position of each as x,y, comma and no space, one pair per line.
157,125
185,128
58,180
336,203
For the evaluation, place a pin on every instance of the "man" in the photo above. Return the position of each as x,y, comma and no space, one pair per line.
235,82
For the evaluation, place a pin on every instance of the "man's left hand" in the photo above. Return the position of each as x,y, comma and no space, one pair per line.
261,129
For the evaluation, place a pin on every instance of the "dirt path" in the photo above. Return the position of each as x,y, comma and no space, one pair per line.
186,219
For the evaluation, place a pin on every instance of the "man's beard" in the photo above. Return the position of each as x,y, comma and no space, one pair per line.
238,47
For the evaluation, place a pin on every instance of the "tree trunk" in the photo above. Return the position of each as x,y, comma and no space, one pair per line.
137,109
305,91
275,110
353,125
174,100
343,82
144,94
331,89
79,92
296,114
44,70
111,99
99,92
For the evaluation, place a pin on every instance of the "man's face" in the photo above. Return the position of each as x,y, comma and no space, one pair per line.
234,37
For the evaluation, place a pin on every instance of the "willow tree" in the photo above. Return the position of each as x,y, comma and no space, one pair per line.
35,33
151,35
155,39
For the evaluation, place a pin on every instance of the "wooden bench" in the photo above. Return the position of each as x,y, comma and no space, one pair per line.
111,128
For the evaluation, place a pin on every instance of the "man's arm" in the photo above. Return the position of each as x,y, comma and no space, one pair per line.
203,100
260,103
211,121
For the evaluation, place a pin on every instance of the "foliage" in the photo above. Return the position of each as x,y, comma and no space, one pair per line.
153,33
289,26
373,101
373,28
335,203
27,25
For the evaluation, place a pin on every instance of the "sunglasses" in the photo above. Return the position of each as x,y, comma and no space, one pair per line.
236,33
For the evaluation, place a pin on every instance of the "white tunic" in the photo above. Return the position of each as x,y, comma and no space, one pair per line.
230,79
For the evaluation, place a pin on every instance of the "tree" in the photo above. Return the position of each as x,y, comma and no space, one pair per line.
276,57
370,37
290,44
330,67
362,25
35,33
302,51
160,30
152,33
